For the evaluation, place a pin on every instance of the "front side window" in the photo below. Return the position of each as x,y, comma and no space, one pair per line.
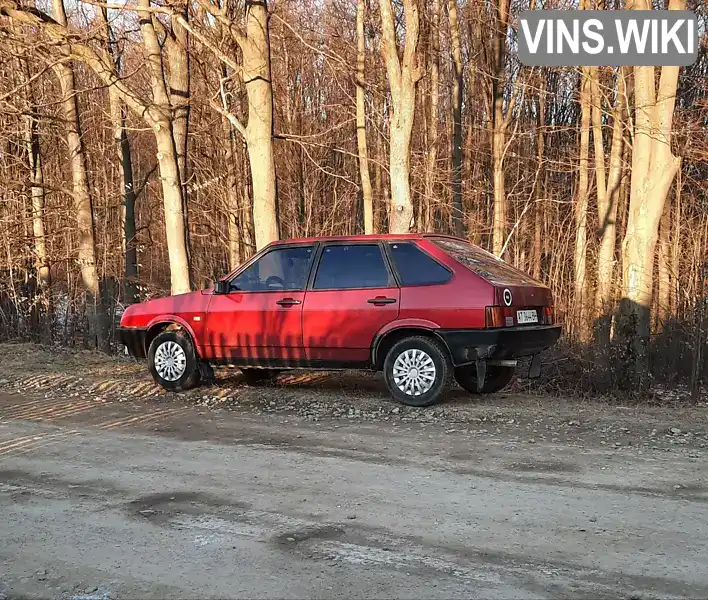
351,267
279,269
415,267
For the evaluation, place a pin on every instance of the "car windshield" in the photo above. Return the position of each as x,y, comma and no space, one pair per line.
483,263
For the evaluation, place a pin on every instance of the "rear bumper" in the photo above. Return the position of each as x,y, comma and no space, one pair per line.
467,345
133,338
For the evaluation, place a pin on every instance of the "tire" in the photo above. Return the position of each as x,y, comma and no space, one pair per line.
496,379
434,363
254,376
182,373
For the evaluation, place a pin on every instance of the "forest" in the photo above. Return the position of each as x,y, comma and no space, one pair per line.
150,146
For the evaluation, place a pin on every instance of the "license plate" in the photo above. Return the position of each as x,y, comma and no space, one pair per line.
526,316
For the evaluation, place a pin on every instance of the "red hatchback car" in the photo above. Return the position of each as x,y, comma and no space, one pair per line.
420,308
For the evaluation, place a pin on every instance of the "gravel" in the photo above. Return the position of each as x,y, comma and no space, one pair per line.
338,398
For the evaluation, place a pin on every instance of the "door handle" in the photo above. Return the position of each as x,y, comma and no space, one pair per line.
288,302
381,300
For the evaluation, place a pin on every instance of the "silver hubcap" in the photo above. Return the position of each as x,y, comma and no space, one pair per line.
170,361
414,372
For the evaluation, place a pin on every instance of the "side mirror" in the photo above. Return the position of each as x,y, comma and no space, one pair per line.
221,286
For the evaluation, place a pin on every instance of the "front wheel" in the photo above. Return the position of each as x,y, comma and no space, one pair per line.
416,371
173,362
496,379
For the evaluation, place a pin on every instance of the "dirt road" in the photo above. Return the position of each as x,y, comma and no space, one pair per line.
155,499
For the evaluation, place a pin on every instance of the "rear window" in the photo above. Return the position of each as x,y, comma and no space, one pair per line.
415,267
483,263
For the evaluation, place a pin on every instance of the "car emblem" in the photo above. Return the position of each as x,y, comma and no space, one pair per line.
507,297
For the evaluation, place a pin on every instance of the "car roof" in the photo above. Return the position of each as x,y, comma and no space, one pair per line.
363,238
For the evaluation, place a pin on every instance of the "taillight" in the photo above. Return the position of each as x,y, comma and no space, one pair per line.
548,315
498,316
493,316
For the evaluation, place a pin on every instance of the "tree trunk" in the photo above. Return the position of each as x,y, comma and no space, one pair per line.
401,215
34,156
499,202
623,203
130,284
540,178
37,181
598,141
403,76
246,208
174,215
125,169
259,131
607,215
499,124
664,268
179,94
676,247
581,206
233,199
80,193
366,190
382,204
653,170
458,216
179,78
429,199
167,156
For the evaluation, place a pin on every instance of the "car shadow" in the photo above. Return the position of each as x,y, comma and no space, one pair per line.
350,383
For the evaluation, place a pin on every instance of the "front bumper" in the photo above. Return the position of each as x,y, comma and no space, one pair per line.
133,338
468,345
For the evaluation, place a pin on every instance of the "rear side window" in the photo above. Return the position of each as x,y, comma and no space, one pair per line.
483,263
351,267
415,267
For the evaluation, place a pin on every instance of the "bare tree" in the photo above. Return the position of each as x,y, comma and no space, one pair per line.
653,170
500,123
34,156
540,186
179,89
125,168
161,119
80,189
607,203
233,199
403,77
428,210
456,97
157,114
254,43
366,189
663,299
581,205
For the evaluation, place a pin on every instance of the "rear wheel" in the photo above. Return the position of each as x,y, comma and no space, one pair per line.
496,378
416,371
173,362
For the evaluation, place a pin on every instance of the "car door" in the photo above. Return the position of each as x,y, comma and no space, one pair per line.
352,296
259,320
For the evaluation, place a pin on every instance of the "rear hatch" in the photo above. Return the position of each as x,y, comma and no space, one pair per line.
519,299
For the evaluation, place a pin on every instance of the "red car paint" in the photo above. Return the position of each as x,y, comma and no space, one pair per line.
340,325
335,326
